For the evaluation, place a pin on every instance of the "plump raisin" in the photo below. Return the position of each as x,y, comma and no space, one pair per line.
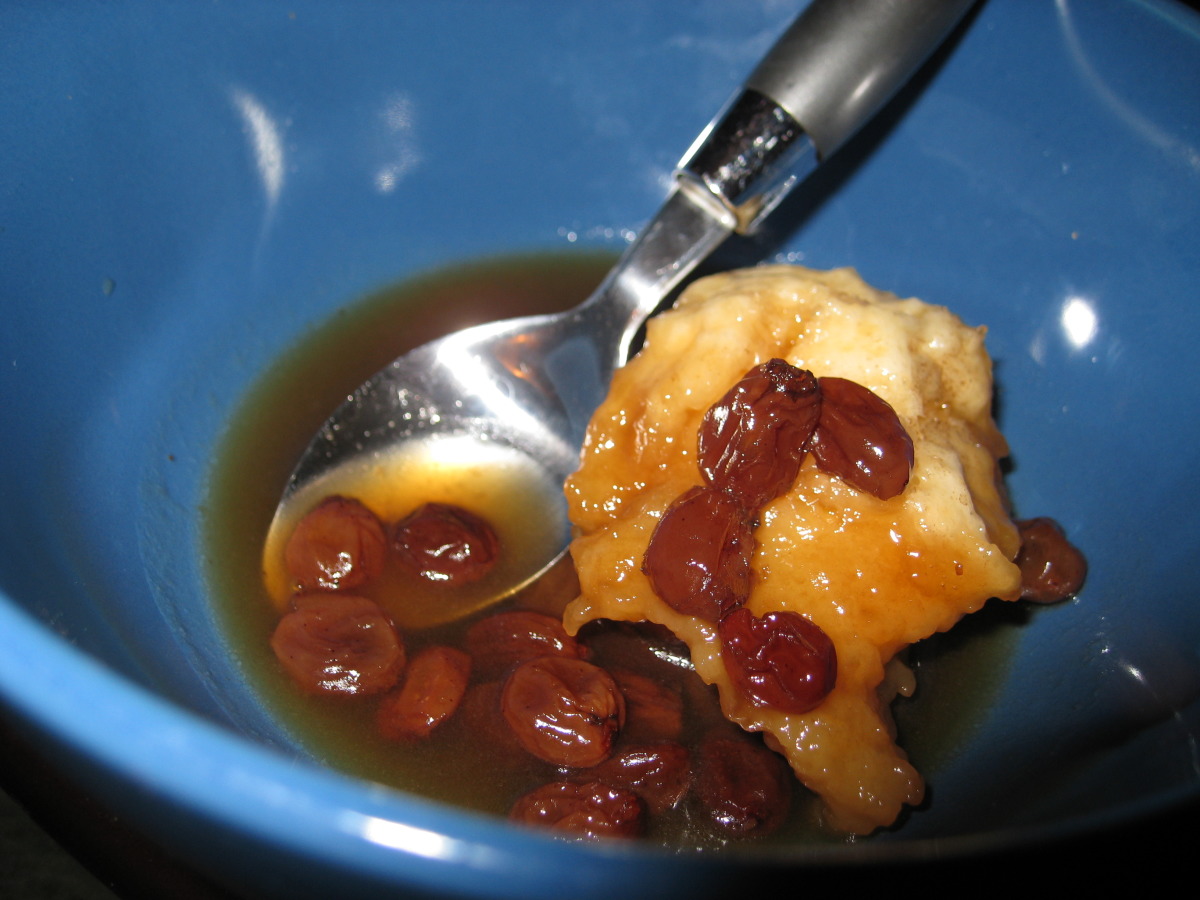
565,711
653,710
782,660
860,439
339,545
752,442
742,787
446,544
502,641
586,810
644,647
1052,568
339,644
659,773
698,560
433,688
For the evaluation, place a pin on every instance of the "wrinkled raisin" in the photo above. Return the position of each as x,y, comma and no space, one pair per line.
752,442
564,711
587,810
434,685
645,647
503,640
339,644
1052,568
446,544
743,788
653,710
782,660
698,560
339,545
860,439
659,773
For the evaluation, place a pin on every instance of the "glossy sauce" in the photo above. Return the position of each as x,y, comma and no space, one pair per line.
455,765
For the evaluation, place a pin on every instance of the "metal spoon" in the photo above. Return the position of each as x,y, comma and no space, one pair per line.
518,394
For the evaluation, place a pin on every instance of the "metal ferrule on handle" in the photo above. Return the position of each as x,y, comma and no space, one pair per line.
747,160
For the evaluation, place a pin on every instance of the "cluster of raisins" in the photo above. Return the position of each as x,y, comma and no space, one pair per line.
341,545
610,728
335,641
751,446
608,738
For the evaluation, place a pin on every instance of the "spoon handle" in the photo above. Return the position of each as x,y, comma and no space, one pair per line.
826,77
842,60
831,71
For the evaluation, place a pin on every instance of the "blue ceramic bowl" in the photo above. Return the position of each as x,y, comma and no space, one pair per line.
188,189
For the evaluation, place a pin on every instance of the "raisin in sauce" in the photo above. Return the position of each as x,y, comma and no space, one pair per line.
956,670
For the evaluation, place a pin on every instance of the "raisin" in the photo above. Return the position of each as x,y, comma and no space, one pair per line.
752,442
659,773
1052,568
743,788
565,711
446,544
698,559
782,660
339,545
433,688
644,647
587,810
502,641
653,710
339,644
860,439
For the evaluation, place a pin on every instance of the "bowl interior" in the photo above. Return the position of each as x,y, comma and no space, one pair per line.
187,195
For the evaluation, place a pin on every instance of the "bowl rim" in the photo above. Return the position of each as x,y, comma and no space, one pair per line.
355,825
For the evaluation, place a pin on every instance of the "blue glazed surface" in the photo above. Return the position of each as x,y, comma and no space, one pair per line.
186,189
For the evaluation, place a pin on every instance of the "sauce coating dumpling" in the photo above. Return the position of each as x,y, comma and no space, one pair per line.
875,575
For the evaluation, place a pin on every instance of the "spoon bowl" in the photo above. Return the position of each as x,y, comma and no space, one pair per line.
499,409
